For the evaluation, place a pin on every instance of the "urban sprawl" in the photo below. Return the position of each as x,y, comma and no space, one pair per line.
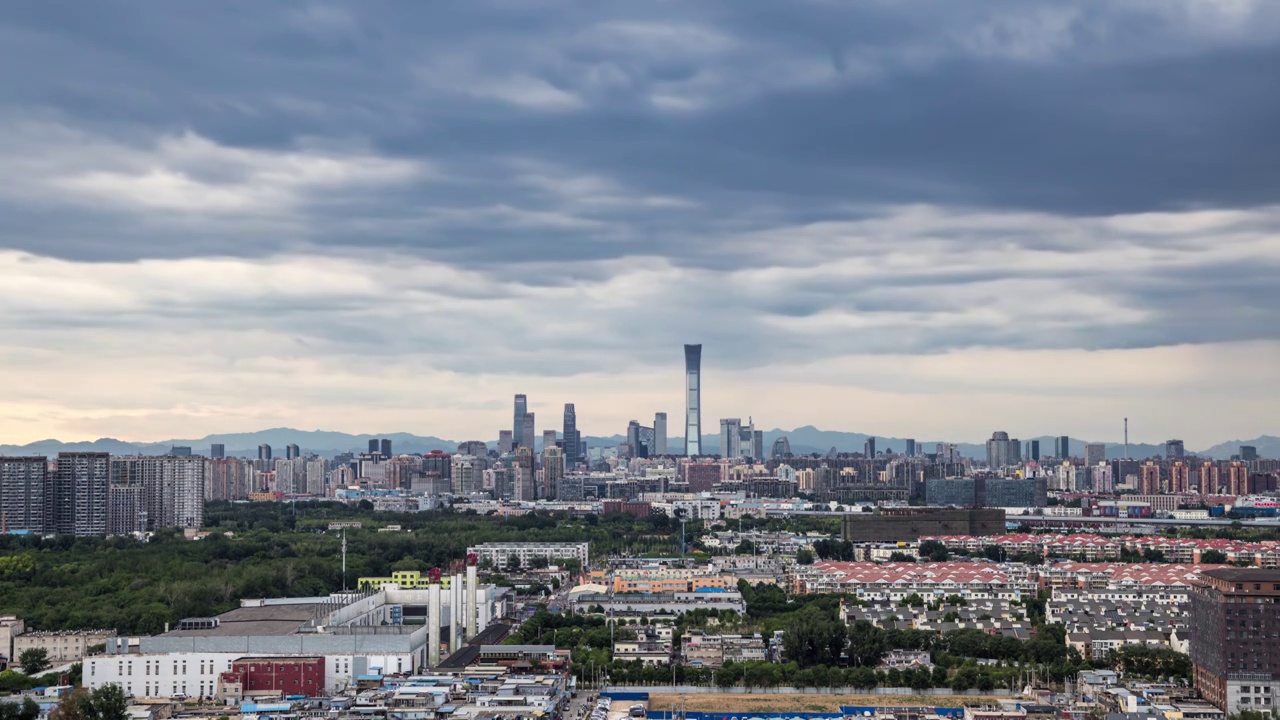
540,577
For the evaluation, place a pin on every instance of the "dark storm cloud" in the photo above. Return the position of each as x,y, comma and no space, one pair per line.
842,177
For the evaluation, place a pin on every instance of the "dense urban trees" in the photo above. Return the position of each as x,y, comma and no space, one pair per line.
263,550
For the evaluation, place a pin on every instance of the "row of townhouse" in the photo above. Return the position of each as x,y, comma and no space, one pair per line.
1097,644
1069,575
1175,595
1115,615
880,612
1092,547
896,581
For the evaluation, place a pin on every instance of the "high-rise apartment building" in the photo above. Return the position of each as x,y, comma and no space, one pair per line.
317,470
1094,453
1210,480
660,433
475,448
126,508
77,501
1238,478
217,451
1062,447
527,432
227,478
264,452
1174,449
1179,478
1149,479
172,490
1235,613
525,489
465,474
1003,451
292,451
517,425
693,400
22,486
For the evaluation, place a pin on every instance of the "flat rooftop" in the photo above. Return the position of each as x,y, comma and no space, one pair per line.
1244,574
262,620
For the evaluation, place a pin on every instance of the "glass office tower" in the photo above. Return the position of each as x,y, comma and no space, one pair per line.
693,400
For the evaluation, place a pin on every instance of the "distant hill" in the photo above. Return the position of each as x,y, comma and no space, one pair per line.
1268,447
804,440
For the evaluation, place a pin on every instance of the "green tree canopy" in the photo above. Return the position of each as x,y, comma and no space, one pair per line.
34,661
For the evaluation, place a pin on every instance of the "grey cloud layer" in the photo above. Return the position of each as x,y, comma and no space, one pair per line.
785,181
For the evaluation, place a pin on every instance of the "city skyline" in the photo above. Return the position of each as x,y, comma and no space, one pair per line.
918,220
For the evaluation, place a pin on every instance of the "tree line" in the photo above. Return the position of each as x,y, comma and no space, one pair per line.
266,550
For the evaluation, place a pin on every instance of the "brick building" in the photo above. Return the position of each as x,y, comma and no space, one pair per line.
1236,616
627,507
271,675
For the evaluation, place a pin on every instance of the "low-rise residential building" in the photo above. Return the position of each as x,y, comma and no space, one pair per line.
895,581
666,579
500,554
1098,644
649,647
1093,548
63,646
638,605
743,648
700,649
906,660
10,627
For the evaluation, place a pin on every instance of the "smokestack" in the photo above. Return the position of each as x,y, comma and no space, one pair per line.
472,626
433,633
457,611
1126,438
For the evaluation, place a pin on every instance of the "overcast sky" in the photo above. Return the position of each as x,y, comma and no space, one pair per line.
928,219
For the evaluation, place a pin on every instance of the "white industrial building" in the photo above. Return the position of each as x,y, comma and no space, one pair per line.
356,634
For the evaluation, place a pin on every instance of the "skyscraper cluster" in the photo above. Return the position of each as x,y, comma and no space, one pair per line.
738,440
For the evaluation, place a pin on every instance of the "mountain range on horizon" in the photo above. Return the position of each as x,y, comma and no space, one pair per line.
803,440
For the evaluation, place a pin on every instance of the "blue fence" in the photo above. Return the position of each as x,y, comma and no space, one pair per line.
845,711
694,715
870,710
627,696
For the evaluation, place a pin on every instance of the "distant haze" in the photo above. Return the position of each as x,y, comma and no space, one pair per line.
803,440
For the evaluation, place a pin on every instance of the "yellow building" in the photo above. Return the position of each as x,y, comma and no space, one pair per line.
407,579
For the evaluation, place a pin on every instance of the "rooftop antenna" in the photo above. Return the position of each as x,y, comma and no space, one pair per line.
1126,438
344,559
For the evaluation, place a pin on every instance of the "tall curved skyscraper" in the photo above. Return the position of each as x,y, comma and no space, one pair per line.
693,400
